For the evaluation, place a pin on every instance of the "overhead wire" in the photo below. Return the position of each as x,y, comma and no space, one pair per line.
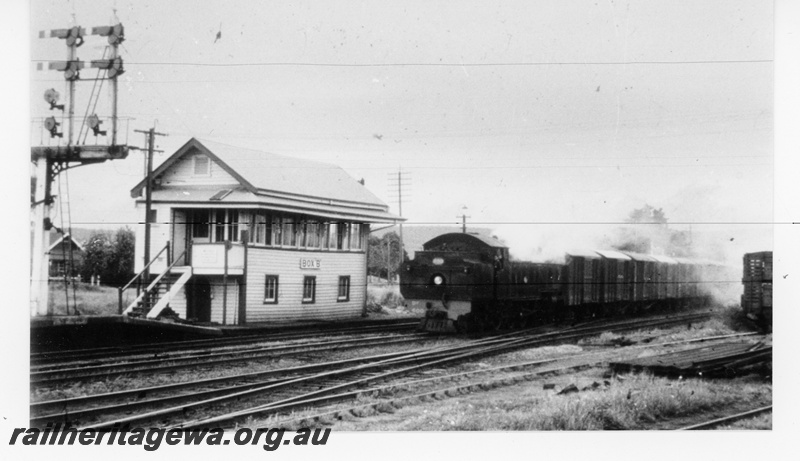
441,64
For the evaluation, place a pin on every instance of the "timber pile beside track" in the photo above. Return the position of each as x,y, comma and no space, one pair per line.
205,403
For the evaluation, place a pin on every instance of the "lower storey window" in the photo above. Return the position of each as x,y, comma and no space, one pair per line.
309,288
344,288
271,289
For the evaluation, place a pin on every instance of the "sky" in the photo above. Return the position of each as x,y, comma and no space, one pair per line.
544,119
549,120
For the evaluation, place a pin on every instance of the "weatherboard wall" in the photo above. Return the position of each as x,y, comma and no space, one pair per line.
290,307
159,236
182,173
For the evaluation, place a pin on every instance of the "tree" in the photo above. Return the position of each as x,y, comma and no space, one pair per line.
98,251
384,255
109,256
648,214
650,233
120,266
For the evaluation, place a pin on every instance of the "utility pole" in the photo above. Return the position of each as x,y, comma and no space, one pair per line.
150,141
399,180
51,160
464,219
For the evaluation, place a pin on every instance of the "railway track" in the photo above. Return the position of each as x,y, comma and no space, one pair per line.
339,390
414,391
727,419
154,349
321,381
52,375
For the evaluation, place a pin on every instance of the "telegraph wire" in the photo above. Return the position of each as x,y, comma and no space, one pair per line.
441,64
486,223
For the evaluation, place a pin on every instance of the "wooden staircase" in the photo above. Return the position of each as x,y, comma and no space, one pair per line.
151,301
156,297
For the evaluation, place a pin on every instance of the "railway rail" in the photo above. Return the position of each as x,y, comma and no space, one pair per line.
488,347
415,395
48,357
319,381
727,419
60,375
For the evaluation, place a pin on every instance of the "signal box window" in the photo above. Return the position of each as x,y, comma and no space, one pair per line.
277,234
262,229
199,223
309,289
289,236
271,289
312,235
344,288
342,236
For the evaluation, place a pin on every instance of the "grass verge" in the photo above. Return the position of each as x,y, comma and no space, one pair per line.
634,403
89,299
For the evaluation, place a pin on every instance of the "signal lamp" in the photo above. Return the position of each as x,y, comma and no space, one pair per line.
94,123
51,125
52,96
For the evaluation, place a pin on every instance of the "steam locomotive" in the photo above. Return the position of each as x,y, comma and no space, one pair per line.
468,283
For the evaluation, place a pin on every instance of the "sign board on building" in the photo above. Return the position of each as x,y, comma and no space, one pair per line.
308,263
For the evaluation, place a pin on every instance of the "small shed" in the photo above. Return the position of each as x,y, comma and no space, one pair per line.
66,255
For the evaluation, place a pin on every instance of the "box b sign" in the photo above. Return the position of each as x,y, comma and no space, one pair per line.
307,263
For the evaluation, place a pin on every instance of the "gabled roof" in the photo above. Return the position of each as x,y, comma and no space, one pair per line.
267,173
61,239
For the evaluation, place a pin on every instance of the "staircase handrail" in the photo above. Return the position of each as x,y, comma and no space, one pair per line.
120,291
154,282
136,277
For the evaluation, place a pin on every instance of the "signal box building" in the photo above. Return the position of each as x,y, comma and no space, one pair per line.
242,236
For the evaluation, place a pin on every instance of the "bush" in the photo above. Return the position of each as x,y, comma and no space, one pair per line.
383,297
734,317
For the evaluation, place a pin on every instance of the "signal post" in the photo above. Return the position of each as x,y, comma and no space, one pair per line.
51,160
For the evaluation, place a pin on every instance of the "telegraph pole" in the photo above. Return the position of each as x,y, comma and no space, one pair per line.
51,160
401,179
150,140
464,219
